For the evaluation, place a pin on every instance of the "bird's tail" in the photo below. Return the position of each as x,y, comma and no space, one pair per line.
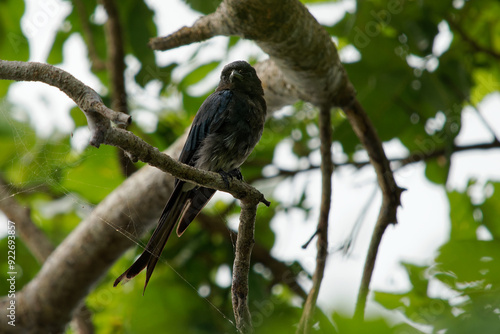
151,254
183,206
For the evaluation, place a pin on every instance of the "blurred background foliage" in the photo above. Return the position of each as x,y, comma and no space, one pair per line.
402,80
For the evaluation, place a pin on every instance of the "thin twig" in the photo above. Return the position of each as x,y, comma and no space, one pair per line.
203,29
306,244
472,42
487,125
391,193
325,129
349,242
115,60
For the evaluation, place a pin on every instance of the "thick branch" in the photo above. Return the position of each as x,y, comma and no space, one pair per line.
38,244
325,129
241,266
298,45
46,303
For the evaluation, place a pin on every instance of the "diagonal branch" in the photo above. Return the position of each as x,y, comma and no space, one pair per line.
98,115
325,128
472,42
39,245
203,29
34,238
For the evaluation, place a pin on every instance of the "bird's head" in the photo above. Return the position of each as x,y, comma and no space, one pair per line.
240,76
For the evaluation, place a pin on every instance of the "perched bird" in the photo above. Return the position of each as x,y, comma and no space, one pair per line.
224,132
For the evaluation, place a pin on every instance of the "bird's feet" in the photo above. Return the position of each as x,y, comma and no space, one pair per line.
235,173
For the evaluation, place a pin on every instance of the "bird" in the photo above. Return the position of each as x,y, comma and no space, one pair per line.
225,130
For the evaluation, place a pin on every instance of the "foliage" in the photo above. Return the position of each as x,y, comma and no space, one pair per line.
57,181
466,268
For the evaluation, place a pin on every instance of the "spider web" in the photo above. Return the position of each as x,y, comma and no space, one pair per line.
38,165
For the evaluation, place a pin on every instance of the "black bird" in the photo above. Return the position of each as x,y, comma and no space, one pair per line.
224,132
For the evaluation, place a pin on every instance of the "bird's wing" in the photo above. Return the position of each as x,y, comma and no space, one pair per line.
207,120
196,201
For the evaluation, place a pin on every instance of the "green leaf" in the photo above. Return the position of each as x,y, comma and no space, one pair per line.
203,6
463,226
198,74
78,117
491,211
13,43
436,170
137,22
15,137
474,263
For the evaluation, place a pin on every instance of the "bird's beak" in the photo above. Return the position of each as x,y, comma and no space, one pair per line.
235,75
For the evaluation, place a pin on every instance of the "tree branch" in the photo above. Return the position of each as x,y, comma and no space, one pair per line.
473,43
97,63
241,266
98,115
325,128
116,70
203,29
299,46
38,244
391,193
115,60
424,156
